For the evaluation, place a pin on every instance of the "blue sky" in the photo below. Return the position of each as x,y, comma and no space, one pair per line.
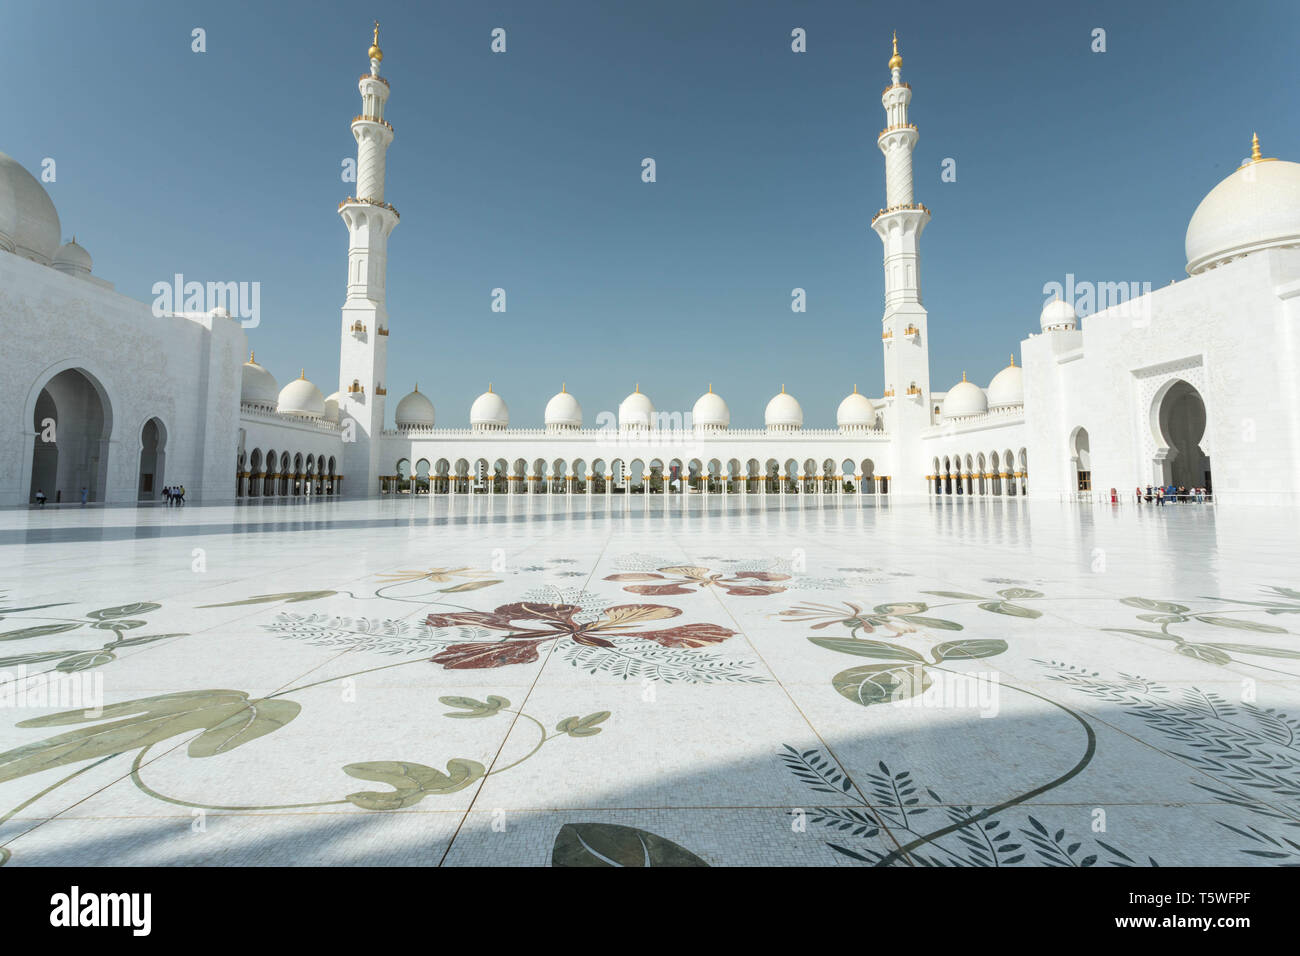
522,171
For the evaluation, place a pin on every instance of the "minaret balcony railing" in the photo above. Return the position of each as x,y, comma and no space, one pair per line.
889,392
358,328
901,206
890,129
381,331
885,336
364,118
371,202
913,390
895,86
380,390
376,76
912,330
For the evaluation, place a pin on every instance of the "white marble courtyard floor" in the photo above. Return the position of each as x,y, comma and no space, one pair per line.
538,680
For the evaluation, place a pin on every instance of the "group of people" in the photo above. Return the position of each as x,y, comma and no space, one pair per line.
174,494
1161,494
58,496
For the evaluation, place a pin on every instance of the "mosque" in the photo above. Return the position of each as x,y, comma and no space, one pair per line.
1192,384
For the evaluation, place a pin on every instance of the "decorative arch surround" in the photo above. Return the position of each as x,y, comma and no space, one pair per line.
1153,383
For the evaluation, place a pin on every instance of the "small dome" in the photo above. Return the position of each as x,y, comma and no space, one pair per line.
414,411
72,259
711,411
563,411
29,223
1007,389
258,386
489,412
963,399
1057,314
784,412
636,411
856,412
300,397
1257,207
332,408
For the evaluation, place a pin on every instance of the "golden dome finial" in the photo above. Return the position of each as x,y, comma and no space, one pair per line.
1255,154
375,52
1013,360
564,387
489,388
302,374
710,388
637,390
252,357
895,61
855,389
417,386
963,376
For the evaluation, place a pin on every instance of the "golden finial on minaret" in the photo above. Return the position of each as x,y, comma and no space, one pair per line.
963,376
564,387
252,357
895,61
375,52
302,374
1013,360
1255,154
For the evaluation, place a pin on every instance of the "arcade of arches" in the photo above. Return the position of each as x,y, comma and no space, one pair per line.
283,474
617,476
1000,474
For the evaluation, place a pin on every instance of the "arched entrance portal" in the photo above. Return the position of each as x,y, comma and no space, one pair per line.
1179,421
72,422
153,444
1081,457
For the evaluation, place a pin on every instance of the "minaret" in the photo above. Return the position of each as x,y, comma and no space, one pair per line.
905,333
363,353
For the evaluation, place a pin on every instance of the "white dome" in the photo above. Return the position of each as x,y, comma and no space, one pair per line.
783,412
1058,314
301,397
72,259
636,411
489,412
711,411
1007,388
414,411
332,408
964,398
29,223
258,386
563,411
1257,207
856,411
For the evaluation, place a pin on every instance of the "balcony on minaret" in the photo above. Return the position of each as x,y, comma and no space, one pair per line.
912,332
913,389
889,392
921,207
381,331
364,118
380,390
358,329
357,389
887,335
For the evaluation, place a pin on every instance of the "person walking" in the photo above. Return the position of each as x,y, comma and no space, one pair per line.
85,492
1160,496
40,498
1137,495
180,494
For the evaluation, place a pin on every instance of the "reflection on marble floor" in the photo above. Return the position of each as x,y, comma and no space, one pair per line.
534,681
